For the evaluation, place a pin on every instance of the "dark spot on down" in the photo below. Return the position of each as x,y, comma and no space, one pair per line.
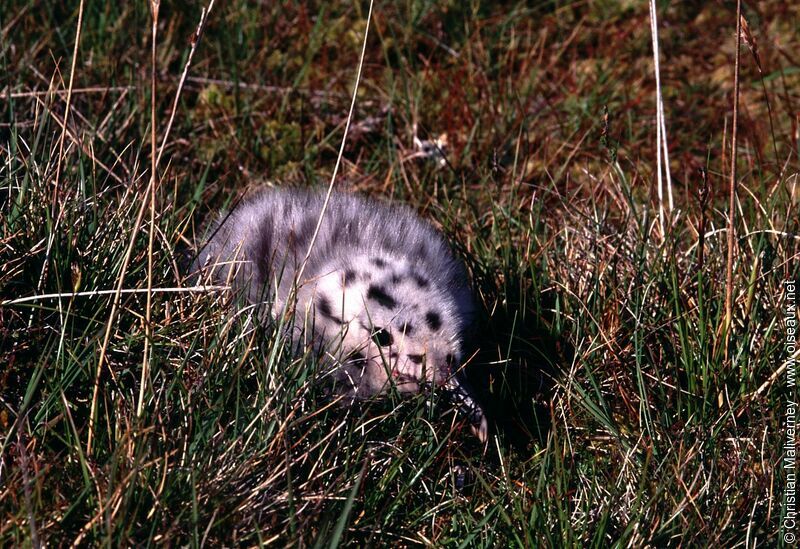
378,262
416,359
408,329
357,358
378,294
349,276
324,308
382,337
433,320
301,235
421,281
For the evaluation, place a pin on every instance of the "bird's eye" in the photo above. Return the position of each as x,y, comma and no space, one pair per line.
382,338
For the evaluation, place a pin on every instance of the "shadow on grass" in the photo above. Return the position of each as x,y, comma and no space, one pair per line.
517,356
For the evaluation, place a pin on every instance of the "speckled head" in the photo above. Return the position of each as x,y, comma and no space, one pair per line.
391,319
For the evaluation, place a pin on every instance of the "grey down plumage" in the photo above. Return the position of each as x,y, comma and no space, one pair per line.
381,293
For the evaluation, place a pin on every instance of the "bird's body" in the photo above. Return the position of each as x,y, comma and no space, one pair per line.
381,293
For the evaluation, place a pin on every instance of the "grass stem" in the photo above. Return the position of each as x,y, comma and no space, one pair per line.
728,326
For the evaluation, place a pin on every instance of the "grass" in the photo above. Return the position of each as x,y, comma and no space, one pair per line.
617,419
